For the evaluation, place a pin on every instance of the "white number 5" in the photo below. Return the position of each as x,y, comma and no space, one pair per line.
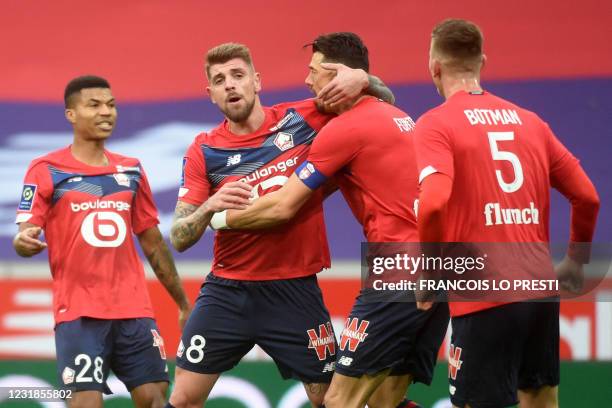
497,154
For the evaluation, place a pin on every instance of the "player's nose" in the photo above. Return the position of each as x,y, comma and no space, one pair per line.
105,109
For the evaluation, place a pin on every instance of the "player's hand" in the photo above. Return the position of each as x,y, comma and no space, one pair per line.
184,313
571,275
345,87
235,195
26,242
424,306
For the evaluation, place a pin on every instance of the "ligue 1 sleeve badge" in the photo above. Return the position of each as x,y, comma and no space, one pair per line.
27,197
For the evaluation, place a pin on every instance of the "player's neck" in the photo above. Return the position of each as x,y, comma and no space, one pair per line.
343,108
250,124
90,152
453,84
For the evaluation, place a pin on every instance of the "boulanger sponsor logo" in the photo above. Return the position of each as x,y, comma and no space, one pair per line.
104,229
353,334
323,342
280,167
100,205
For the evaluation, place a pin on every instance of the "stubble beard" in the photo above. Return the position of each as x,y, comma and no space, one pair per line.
240,115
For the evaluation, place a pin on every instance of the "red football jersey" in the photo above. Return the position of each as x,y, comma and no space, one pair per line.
370,150
265,159
88,215
501,159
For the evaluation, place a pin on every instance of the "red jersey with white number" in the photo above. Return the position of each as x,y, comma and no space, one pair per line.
89,215
370,150
265,159
501,159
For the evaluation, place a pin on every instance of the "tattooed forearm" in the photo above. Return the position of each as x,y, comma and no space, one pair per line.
161,261
189,224
378,89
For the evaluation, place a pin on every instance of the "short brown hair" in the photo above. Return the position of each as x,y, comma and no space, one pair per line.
225,52
459,43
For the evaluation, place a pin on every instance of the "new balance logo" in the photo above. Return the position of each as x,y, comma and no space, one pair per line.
345,361
329,367
233,159
353,335
323,342
454,361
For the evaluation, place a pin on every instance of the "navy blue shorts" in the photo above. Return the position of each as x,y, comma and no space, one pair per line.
381,335
286,318
88,348
496,351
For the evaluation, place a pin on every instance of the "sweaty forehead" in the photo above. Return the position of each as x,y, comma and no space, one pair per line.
223,68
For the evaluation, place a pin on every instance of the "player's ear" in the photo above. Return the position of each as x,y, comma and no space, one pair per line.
435,68
70,115
209,95
484,61
257,82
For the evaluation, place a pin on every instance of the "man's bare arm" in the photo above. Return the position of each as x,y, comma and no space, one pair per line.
160,258
26,242
350,83
378,89
190,221
272,209
188,225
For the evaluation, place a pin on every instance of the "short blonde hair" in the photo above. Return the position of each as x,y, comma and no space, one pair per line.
225,52
459,43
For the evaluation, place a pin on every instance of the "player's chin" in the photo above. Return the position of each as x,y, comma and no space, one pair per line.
102,134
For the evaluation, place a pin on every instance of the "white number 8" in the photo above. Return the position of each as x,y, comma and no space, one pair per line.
497,154
196,347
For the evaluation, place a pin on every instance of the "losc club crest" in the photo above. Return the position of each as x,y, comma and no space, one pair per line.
122,179
284,141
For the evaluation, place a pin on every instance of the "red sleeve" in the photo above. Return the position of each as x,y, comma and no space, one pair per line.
561,161
144,214
36,195
435,193
334,147
195,187
433,148
568,177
